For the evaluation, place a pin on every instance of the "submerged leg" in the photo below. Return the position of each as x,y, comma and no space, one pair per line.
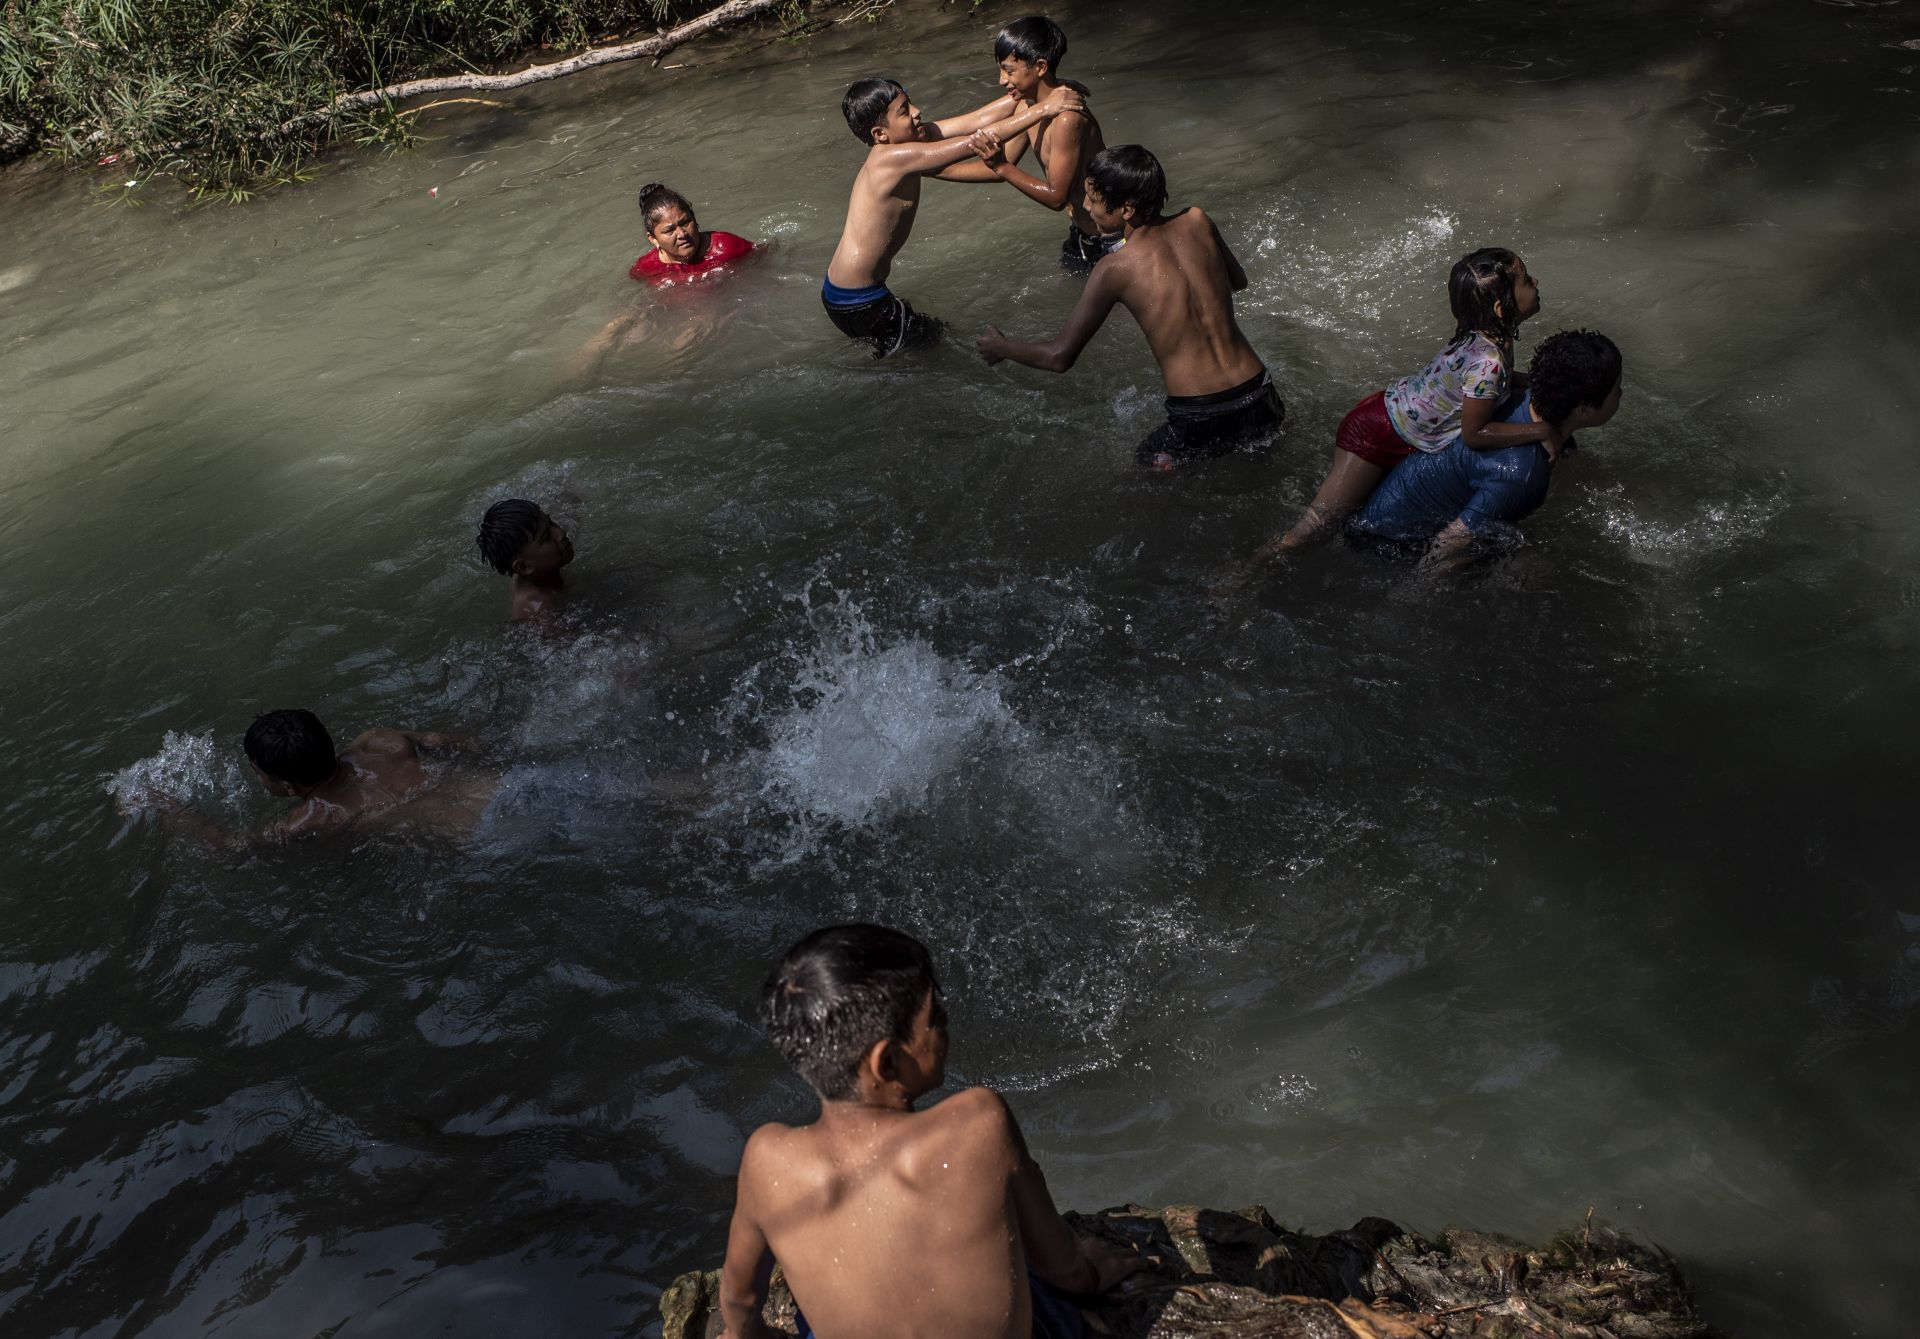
1349,483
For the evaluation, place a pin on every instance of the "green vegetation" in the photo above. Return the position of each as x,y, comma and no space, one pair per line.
203,90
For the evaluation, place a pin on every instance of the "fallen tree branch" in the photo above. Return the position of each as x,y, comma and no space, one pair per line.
657,45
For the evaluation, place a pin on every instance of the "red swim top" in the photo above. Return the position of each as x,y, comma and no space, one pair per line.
722,247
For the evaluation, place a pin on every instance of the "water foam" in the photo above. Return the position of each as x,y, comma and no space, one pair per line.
872,727
186,770
1714,527
1346,292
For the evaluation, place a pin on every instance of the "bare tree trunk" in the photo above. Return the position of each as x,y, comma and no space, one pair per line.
658,45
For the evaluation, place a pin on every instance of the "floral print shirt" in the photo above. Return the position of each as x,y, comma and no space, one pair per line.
1425,407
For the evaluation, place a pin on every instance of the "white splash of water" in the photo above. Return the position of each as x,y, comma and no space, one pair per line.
1714,527
186,770
868,728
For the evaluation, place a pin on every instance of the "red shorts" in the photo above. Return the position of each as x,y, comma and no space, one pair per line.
1368,433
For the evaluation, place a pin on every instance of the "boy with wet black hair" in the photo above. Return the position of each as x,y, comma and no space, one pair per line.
1448,500
901,149
1178,277
521,541
888,1220
1028,52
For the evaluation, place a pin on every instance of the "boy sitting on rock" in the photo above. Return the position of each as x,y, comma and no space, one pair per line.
933,1224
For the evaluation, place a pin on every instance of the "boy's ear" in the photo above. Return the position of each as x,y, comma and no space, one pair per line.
878,1064
520,567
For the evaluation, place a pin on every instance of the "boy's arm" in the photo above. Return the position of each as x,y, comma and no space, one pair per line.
1063,350
1479,431
747,1272
1057,191
1236,276
923,158
999,109
1055,1252
976,171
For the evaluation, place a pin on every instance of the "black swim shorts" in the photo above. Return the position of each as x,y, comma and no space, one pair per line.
1212,425
887,323
1082,250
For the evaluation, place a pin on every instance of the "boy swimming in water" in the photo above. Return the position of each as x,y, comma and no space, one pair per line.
1178,277
887,1220
901,149
1447,501
1028,52
521,541
381,778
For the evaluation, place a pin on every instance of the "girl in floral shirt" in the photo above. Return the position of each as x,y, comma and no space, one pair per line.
1455,396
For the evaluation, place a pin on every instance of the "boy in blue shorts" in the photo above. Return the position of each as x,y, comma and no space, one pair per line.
884,1218
901,149
1448,500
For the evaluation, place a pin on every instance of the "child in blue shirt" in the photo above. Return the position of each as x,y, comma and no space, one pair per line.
1447,499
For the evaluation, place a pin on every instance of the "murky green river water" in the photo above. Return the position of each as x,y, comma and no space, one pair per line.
1588,879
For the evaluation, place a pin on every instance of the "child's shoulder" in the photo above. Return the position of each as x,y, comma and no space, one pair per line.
976,1111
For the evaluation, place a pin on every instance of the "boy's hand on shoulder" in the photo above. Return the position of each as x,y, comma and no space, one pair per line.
1064,99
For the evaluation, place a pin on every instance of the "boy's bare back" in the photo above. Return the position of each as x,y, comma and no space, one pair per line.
382,779
897,1223
1178,279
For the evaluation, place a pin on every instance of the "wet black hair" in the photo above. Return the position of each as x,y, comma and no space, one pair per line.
1127,174
505,530
866,103
1032,40
291,745
656,196
1572,368
837,992
1478,281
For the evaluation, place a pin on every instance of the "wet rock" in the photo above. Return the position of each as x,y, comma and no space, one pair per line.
1219,1273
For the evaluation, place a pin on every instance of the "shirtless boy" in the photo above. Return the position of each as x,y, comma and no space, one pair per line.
1029,52
520,541
381,779
1177,276
902,148
930,1224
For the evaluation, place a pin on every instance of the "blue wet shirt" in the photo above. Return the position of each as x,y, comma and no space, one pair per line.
1485,490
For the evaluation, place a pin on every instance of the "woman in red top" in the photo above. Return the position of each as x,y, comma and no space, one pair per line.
681,250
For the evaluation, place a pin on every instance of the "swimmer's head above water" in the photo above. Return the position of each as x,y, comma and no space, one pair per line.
852,1005
519,539
1575,379
290,750
670,224
878,111
1125,185
1029,51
